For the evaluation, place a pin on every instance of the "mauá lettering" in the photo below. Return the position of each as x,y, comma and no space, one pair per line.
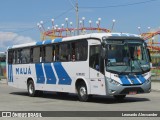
23,71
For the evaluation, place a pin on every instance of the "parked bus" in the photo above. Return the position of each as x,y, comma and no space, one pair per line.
109,64
2,65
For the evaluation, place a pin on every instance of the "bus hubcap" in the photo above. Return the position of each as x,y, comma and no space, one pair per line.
30,88
82,91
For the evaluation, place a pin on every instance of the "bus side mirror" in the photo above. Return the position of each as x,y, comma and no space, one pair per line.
103,42
104,53
150,60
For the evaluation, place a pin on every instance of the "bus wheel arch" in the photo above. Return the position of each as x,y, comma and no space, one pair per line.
29,79
82,90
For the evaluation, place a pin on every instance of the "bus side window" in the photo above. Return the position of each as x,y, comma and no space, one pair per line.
36,54
94,57
79,50
82,53
42,54
14,57
10,57
53,53
57,52
73,51
31,55
18,56
48,53
65,52
25,53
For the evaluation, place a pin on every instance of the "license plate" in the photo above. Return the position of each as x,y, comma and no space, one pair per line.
132,92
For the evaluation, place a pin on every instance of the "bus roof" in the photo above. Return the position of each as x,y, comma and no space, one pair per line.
85,36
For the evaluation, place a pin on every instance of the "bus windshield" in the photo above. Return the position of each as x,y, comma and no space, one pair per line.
127,57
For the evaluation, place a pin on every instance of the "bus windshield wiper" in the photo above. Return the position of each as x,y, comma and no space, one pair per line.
139,64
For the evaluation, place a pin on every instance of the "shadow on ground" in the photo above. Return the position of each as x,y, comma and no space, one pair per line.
95,99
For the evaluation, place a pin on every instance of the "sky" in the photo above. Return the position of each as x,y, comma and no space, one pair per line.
19,18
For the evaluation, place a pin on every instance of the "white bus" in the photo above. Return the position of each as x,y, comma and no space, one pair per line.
109,64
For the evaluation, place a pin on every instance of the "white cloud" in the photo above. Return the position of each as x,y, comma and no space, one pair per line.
11,38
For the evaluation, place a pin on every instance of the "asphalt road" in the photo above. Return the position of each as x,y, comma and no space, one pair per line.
12,99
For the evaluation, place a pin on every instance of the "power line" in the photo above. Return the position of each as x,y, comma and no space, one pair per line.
64,13
110,6
121,5
75,7
72,4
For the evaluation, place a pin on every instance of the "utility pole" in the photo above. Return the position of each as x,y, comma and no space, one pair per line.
77,17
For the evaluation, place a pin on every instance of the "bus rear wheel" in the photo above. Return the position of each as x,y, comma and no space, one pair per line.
31,89
82,92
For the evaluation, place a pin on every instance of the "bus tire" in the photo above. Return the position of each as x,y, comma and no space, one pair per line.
31,89
119,97
82,92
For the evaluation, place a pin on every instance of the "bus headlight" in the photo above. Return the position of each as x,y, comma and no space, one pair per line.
148,80
113,81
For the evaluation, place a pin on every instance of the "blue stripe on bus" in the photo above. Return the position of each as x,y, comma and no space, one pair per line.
63,76
39,43
10,73
133,79
141,78
39,73
124,80
51,79
57,40
48,42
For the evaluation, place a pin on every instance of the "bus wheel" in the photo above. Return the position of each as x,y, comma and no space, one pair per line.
31,89
119,97
82,92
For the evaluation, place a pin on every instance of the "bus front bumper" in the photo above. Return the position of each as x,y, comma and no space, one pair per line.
118,89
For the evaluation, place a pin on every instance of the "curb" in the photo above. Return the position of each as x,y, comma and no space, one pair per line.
155,90
3,81
155,80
